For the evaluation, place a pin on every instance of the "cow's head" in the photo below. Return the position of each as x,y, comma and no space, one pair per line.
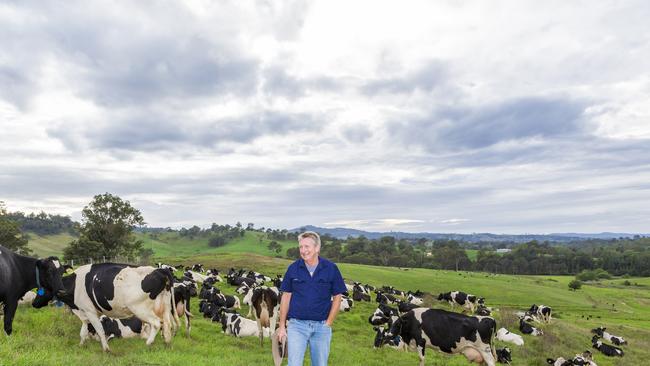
49,272
441,296
504,355
598,331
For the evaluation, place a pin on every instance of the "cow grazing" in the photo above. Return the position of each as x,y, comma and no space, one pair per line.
381,339
483,310
449,332
19,274
266,303
504,355
602,333
466,301
526,328
606,349
542,312
119,328
384,314
506,336
120,291
357,295
346,304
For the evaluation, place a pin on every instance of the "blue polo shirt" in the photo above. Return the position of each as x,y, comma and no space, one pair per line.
311,297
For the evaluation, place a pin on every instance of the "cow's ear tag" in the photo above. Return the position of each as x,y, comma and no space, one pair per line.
40,292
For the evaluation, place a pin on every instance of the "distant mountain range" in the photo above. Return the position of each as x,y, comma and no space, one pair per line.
475,237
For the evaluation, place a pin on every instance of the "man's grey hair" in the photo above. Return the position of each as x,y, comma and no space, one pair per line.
310,234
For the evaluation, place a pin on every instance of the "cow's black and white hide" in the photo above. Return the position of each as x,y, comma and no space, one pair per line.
584,359
448,332
483,310
226,301
606,349
182,295
237,325
235,280
119,291
383,298
381,339
28,298
602,333
357,295
526,328
118,328
404,306
466,301
266,305
414,299
542,312
346,304
19,274
384,314
504,355
506,336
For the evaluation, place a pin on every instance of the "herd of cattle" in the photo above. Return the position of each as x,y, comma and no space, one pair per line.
120,300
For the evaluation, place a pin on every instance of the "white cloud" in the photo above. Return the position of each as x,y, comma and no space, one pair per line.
503,117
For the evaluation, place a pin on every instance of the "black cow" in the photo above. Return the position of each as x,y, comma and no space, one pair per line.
606,349
504,355
182,295
542,312
358,295
19,274
449,332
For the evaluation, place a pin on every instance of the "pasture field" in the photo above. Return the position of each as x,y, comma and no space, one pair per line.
51,335
47,245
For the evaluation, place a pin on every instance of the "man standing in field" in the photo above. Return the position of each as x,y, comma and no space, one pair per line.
311,296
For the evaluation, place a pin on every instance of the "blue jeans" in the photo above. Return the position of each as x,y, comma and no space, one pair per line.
302,332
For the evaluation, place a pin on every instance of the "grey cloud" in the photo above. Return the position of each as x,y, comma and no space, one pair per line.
475,128
278,82
356,134
160,132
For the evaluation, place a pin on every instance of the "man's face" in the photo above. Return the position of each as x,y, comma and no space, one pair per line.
308,250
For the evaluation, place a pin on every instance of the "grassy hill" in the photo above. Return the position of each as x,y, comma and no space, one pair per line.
51,335
45,246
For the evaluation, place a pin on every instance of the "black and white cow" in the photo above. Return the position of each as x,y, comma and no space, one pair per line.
384,314
483,310
414,299
182,295
237,325
19,274
357,295
602,333
28,298
449,332
266,303
381,339
405,307
606,349
119,291
466,301
506,336
543,312
119,328
346,304
584,359
383,298
504,355
526,328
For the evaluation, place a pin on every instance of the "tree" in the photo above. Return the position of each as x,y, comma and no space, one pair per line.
275,246
107,229
575,285
10,234
217,241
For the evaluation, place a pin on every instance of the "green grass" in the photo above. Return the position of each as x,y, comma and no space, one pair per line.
45,246
472,254
51,335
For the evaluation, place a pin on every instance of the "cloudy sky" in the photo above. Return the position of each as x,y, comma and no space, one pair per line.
445,116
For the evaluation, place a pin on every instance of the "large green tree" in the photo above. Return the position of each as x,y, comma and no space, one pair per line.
10,235
107,230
